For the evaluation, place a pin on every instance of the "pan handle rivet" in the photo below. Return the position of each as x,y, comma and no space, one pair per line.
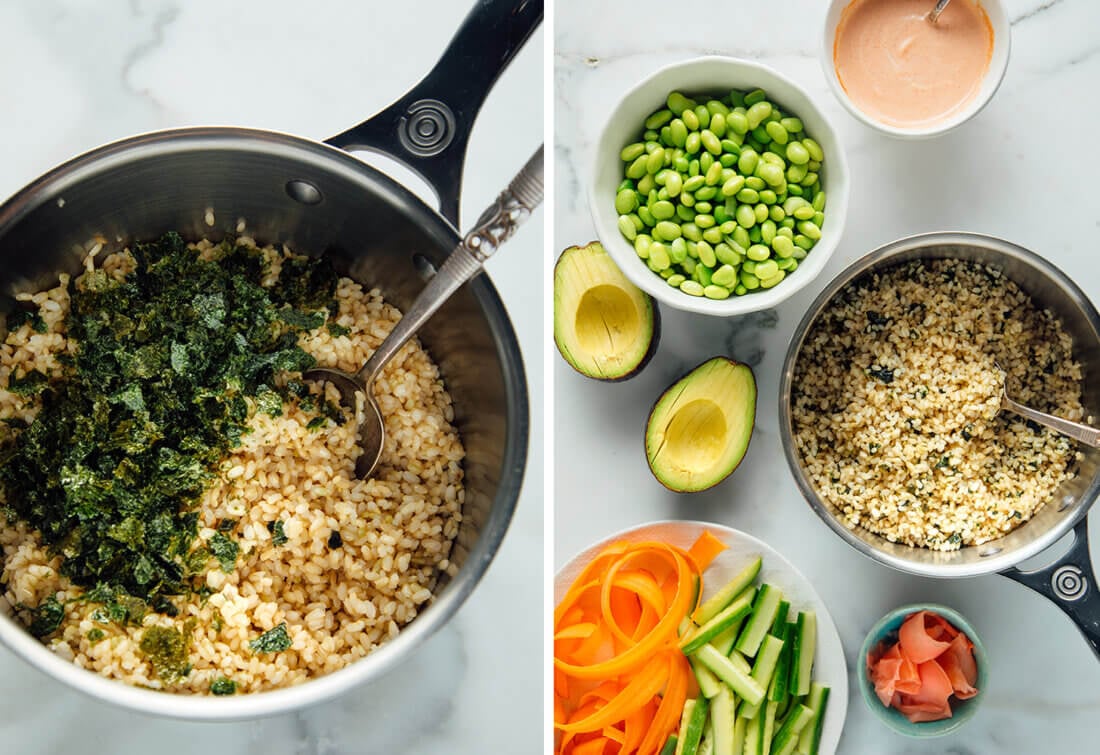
303,191
1069,583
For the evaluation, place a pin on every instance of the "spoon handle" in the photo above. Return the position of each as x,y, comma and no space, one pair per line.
1076,430
495,226
934,15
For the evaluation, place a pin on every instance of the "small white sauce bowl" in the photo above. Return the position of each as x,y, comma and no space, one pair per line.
713,74
998,64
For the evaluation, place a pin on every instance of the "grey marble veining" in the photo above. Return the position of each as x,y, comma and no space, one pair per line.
74,75
1020,170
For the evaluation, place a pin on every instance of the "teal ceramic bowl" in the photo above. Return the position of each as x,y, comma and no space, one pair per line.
961,710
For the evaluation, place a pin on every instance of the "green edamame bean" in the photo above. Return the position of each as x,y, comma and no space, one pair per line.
677,251
741,237
748,266
814,149
729,146
737,123
687,203
785,231
796,173
714,172
808,180
810,229
727,227
632,152
772,281
712,235
771,173
788,222
800,253
691,121
655,160
711,143
766,269
663,210
791,125
691,232
754,232
813,165
767,231
678,132
728,159
783,246
757,112
704,221
705,194
658,256
693,168
803,241
694,183
724,253
675,280
745,216
749,281
702,274
692,143
818,219
740,290
758,252
748,196
797,153
626,228
756,183
716,292
746,163
646,184
761,212
706,254
636,169
666,273
647,216
717,107
678,103
703,207
786,264
721,215
767,196
726,275
819,201
652,146
666,230
658,119
761,135
732,186
718,125
692,288
666,135
642,243
774,159
626,201
706,160
778,134
702,114
688,266
753,97
674,184
776,212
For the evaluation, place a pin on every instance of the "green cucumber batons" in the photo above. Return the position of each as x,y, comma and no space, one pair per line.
604,326
699,429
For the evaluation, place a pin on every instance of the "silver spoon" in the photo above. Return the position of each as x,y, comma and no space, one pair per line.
1076,430
934,15
495,226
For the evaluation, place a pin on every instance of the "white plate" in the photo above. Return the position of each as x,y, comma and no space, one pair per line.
829,666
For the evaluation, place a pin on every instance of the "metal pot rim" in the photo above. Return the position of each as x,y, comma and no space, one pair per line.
49,187
994,562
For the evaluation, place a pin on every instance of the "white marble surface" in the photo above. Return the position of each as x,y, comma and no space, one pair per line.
1024,169
75,74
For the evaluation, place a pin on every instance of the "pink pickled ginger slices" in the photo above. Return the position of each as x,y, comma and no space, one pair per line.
930,662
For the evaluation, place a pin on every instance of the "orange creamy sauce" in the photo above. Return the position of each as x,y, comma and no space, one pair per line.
904,71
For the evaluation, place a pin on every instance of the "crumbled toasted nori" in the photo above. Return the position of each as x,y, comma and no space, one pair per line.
274,640
168,360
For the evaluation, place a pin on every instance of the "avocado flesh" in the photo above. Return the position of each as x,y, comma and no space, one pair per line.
699,429
604,326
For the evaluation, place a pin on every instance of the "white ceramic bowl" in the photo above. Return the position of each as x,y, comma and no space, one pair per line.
998,64
700,76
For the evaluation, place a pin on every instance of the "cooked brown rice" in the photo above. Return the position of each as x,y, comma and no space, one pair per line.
896,398
339,603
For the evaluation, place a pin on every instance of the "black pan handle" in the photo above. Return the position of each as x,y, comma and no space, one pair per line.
1070,583
428,129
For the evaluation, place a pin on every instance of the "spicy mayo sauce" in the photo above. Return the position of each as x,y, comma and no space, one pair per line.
901,69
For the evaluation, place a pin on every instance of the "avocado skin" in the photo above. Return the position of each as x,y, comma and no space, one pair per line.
654,341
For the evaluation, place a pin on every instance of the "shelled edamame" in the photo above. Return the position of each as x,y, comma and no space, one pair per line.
722,195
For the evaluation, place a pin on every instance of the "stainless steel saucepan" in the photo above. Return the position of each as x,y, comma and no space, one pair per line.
319,199
1070,582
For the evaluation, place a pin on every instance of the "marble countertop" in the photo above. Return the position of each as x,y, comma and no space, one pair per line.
1024,169
74,75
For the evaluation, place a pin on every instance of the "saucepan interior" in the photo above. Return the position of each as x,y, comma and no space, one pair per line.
318,200
1049,288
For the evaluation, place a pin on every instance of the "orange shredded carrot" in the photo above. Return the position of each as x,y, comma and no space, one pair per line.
620,680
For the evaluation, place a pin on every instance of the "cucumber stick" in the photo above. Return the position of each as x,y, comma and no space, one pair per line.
763,616
754,736
722,621
670,745
787,737
740,726
805,644
706,745
732,589
738,680
769,724
722,720
724,641
692,732
708,682
763,669
777,691
685,719
810,739
780,617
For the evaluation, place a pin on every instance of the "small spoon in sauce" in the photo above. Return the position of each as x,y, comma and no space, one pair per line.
495,226
934,15
1078,431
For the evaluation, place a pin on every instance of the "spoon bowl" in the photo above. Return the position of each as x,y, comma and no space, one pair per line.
1077,430
495,226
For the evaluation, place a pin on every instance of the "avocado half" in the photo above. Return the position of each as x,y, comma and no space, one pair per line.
699,429
604,326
